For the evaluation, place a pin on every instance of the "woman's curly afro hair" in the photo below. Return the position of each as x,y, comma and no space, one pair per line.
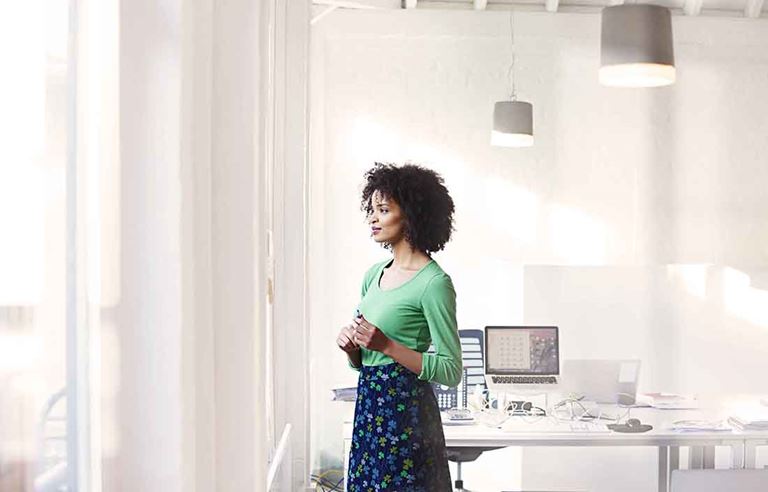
423,198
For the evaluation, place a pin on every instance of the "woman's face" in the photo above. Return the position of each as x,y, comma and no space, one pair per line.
386,220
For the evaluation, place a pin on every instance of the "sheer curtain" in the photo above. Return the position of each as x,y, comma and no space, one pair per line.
169,98
34,136
133,279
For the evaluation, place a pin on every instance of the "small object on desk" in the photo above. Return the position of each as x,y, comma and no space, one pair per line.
478,401
747,423
491,418
749,415
446,397
526,409
632,426
457,416
344,394
669,401
700,426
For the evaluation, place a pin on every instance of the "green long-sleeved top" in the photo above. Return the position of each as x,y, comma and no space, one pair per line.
416,313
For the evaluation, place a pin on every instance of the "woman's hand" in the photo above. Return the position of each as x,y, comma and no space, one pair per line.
345,340
369,336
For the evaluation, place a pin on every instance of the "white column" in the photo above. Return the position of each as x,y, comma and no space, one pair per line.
237,242
290,351
148,325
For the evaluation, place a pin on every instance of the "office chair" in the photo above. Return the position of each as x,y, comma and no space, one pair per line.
461,455
719,480
51,465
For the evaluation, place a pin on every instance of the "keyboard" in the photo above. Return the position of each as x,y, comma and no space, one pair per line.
524,379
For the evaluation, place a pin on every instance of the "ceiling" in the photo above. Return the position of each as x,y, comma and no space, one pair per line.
731,8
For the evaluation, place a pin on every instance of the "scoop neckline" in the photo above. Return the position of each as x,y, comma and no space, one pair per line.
385,265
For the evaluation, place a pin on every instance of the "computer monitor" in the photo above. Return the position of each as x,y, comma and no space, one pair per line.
522,355
602,380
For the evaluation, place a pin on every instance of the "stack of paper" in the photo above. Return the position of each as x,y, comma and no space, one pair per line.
745,422
749,415
344,394
669,401
700,426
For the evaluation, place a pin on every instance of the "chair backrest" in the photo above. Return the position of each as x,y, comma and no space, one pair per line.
472,360
719,480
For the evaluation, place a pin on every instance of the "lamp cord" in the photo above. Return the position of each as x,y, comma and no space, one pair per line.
511,71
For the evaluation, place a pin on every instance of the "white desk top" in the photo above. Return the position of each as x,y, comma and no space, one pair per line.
479,435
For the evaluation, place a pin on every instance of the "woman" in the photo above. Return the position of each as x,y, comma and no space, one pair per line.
407,303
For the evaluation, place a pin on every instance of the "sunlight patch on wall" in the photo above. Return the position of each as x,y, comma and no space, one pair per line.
368,141
692,278
742,300
575,237
508,209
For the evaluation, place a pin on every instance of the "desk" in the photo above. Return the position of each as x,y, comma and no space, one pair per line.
668,442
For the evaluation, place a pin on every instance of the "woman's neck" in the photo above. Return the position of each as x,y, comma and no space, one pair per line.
407,258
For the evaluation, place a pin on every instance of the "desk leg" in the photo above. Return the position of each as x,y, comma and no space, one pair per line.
695,458
750,454
709,457
347,448
663,469
674,459
737,454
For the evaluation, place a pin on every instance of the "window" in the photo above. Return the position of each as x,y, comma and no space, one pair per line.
35,128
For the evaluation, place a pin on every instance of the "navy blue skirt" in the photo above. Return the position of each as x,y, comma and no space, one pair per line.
397,442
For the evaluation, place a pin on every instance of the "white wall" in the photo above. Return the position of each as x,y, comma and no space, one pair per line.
148,321
636,222
289,346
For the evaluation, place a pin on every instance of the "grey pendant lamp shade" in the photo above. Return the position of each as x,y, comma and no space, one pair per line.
512,124
636,47
512,119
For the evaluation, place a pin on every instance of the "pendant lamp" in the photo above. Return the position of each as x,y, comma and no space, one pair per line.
636,48
512,119
512,124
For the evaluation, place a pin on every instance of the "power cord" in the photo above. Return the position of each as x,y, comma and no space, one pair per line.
576,411
569,409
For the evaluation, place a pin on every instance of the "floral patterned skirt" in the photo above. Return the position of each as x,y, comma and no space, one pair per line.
397,442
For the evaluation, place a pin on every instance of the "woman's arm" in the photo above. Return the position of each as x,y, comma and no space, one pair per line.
408,358
346,343
439,306
371,337
355,358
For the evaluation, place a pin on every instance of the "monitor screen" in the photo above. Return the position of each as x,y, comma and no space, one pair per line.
521,350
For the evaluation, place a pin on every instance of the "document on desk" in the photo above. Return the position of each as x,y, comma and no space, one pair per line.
344,394
700,426
526,425
668,401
